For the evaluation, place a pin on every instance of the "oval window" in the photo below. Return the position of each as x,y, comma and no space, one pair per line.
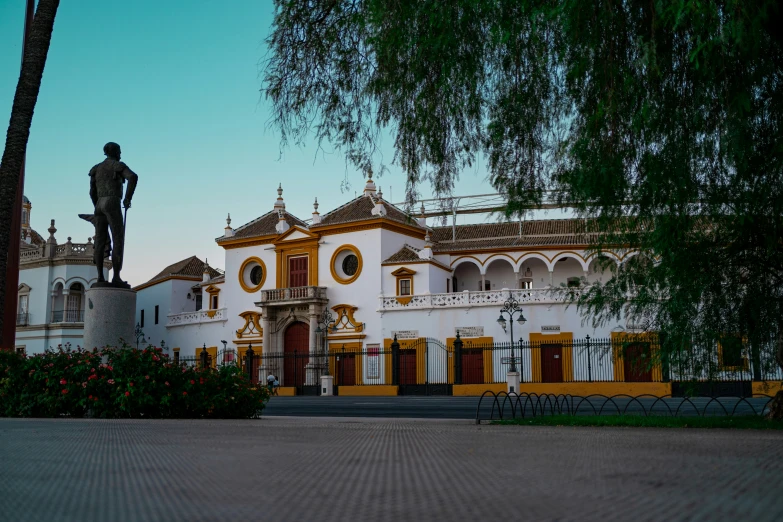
256,275
350,264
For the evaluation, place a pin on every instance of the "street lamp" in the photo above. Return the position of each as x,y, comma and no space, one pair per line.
139,335
324,320
511,308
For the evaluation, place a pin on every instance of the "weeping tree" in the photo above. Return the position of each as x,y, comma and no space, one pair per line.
660,122
35,50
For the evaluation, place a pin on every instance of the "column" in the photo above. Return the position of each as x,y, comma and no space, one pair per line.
551,278
266,346
313,375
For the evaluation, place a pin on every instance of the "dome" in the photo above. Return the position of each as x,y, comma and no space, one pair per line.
25,200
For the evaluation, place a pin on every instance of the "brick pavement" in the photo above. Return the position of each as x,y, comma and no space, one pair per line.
301,469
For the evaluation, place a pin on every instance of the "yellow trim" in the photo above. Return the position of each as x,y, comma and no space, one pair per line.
297,248
211,351
336,348
337,252
567,362
405,344
379,390
211,312
175,349
349,311
286,391
620,338
382,223
402,274
246,287
247,241
583,389
251,323
443,267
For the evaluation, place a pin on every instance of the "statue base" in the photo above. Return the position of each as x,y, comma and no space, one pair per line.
109,318
110,284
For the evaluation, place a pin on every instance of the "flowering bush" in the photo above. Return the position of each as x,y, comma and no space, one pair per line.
131,383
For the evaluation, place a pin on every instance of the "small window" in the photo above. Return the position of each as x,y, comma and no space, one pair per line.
405,287
213,302
141,323
156,314
256,275
176,357
21,351
487,285
199,302
350,264
448,285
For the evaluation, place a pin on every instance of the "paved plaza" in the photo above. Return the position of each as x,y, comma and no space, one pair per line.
302,469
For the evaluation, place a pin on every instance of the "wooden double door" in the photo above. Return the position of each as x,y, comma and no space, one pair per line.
637,364
296,354
551,362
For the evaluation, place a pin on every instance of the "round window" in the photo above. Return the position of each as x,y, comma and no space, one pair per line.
256,275
350,264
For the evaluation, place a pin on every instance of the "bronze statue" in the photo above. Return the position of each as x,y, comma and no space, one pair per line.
106,181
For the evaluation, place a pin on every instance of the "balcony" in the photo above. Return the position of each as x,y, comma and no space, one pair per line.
293,296
68,316
22,319
468,299
198,317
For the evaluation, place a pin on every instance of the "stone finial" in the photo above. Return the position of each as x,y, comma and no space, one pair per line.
316,215
380,193
422,219
69,239
89,240
206,276
426,252
282,224
369,188
279,204
228,231
52,230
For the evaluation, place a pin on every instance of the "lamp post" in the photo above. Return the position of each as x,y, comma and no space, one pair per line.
324,320
139,333
511,308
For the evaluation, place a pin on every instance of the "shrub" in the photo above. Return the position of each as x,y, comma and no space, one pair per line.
131,383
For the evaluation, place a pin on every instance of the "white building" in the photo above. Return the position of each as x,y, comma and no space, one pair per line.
381,273
52,282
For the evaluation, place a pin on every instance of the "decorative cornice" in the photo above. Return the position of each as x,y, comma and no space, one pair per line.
246,241
421,261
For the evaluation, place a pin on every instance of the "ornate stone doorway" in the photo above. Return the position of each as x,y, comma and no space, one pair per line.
296,353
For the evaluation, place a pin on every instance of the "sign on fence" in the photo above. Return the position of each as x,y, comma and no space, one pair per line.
469,331
552,328
511,360
405,334
373,361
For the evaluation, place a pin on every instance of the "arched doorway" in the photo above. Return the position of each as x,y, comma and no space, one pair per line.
296,350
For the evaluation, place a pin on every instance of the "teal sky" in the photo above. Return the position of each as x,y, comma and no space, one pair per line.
176,84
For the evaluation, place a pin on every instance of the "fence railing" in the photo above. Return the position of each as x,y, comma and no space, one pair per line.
428,364
68,316
22,319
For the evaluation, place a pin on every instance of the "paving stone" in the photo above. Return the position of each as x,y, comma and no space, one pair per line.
334,469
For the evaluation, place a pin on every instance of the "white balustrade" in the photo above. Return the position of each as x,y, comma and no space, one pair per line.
467,299
197,317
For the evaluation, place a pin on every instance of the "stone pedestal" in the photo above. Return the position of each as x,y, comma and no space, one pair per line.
512,381
327,385
109,318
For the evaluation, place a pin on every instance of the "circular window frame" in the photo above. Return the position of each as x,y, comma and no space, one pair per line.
244,268
334,269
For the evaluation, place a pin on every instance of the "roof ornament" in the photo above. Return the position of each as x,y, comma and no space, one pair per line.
316,216
228,231
380,193
426,252
228,219
207,275
369,188
279,204
422,218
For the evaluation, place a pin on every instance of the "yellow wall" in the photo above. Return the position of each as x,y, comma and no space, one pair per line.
408,344
567,360
475,390
598,388
618,338
767,388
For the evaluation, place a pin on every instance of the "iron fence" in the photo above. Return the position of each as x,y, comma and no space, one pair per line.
430,367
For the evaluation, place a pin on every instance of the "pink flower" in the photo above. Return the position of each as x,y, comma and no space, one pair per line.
84,385
111,381
191,382
131,384
155,358
167,383
92,370
147,377
127,394
65,392
63,381
183,393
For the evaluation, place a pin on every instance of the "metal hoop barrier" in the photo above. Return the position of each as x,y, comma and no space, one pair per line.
506,406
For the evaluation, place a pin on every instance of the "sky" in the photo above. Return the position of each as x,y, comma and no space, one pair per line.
177,85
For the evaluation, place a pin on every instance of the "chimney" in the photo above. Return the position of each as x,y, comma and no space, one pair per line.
369,187
422,220
205,276
426,252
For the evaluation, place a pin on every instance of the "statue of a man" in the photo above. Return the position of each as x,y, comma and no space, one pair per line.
106,181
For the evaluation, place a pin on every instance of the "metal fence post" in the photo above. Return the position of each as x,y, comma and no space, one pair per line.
521,364
589,361
395,353
458,360
204,356
342,367
249,361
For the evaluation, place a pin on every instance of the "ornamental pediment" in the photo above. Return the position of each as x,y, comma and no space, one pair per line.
295,233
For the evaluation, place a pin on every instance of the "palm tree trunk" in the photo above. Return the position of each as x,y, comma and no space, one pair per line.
35,50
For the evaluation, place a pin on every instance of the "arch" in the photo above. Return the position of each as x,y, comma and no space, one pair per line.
74,280
467,259
593,263
495,257
58,284
535,255
501,271
572,255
